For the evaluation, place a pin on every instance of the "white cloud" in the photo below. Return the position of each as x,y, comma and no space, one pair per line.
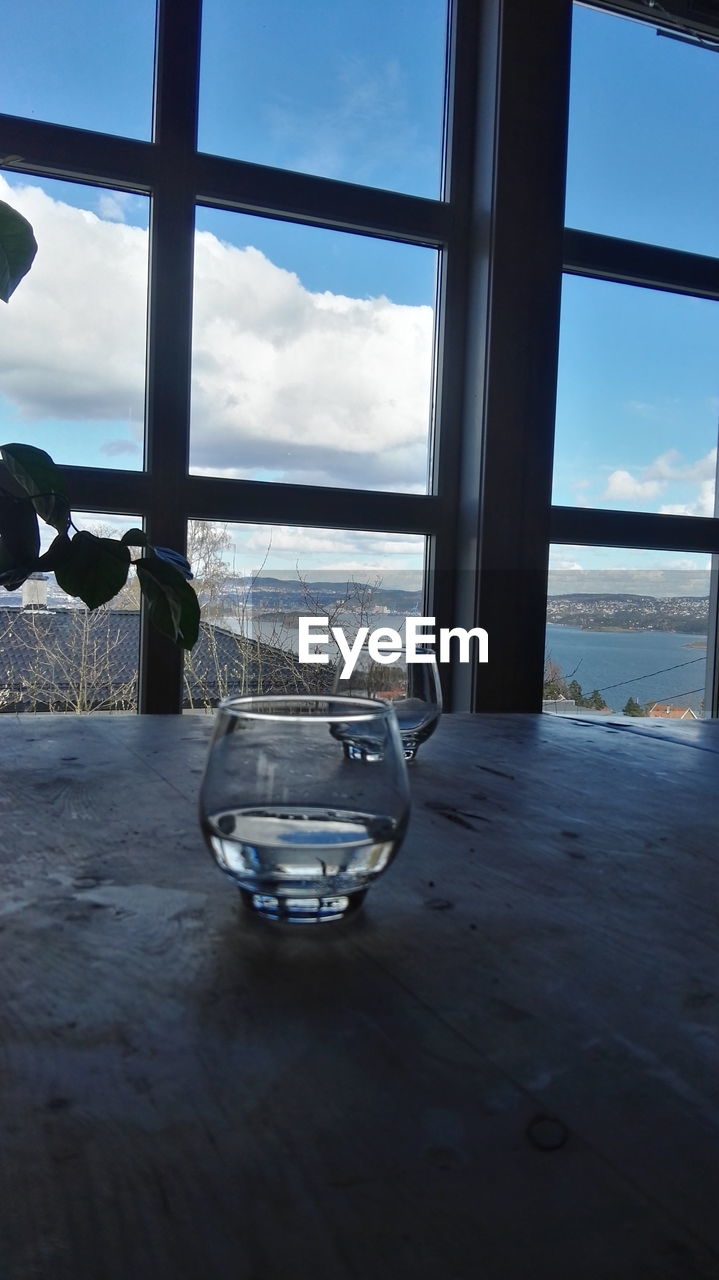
114,448
642,408
703,505
667,469
677,578
581,492
560,564
669,466
113,205
688,564
363,128
287,538
305,387
622,486
327,388
72,339
664,466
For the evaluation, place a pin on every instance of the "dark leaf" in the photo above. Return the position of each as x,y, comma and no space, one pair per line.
174,557
58,552
19,540
13,578
95,569
19,532
35,473
134,538
7,484
17,249
172,604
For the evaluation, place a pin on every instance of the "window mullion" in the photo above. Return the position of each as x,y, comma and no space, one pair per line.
511,390
651,266
172,229
451,553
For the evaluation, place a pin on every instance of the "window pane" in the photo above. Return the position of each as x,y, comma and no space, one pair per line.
339,90
72,338
312,355
84,64
637,399
56,655
643,162
626,633
255,581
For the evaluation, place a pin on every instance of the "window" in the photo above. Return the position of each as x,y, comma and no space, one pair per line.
642,162
637,399
440,264
80,64
222,340
256,581
73,380
59,656
635,460
340,90
312,355
626,633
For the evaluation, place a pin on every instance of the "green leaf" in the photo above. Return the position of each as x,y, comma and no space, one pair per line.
18,247
37,476
95,569
134,538
172,604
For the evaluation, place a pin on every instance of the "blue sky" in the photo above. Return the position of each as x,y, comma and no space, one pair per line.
638,397
332,384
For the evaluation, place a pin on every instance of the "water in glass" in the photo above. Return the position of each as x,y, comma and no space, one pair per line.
413,689
304,802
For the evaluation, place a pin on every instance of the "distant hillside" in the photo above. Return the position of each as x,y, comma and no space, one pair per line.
604,612
268,594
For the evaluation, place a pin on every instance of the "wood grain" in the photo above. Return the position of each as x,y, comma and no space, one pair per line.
187,1092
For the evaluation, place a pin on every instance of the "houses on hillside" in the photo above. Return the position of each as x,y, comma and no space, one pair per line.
667,711
561,706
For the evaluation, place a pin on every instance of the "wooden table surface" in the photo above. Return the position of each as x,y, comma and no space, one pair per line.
505,1066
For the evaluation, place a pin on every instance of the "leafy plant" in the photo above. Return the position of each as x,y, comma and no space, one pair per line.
18,247
89,567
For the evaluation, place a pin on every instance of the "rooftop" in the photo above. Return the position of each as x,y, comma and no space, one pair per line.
72,660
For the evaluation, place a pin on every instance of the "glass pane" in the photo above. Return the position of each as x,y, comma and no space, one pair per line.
626,633
312,355
84,64
57,655
72,338
339,90
256,581
643,162
637,399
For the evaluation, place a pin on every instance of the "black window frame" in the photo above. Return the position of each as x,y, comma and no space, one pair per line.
620,261
498,229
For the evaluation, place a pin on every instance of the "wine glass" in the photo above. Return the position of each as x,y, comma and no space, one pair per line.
304,801
413,690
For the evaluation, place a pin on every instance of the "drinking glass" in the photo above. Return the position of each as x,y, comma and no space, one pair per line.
304,801
413,690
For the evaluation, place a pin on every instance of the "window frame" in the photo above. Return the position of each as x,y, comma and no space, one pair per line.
498,229
620,261
176,177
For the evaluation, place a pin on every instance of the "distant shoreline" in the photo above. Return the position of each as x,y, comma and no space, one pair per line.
630,631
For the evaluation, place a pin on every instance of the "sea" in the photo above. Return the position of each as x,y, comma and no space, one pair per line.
649,666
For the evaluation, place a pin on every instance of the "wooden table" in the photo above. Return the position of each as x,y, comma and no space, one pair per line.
504,1067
